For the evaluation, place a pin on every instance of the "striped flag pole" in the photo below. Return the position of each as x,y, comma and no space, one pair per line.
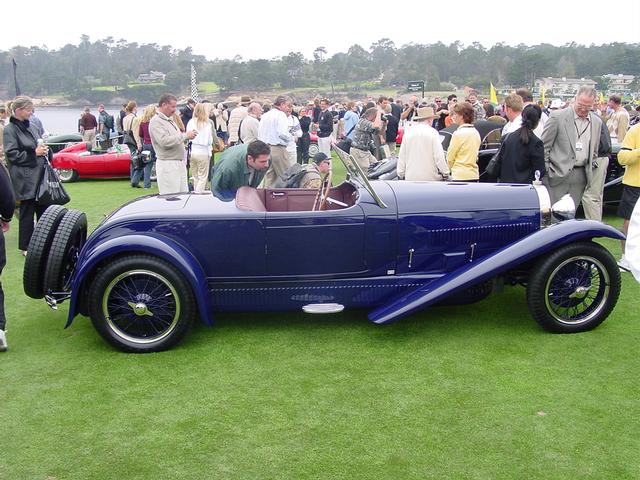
194,84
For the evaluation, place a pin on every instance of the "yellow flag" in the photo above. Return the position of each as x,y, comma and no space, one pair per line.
493,98
542,92
601,98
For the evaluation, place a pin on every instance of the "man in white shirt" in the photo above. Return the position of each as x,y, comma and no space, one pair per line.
250,124
513,106
421,156
527,99
274,131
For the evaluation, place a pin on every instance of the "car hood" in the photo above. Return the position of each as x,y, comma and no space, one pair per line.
149,206
440,197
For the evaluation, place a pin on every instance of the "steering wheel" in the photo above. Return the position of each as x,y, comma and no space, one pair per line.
320,201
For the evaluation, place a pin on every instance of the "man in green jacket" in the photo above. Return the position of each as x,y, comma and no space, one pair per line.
240,165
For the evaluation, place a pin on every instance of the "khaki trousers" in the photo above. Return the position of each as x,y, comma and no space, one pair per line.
363,158
279,164
200,171
89,136
592,197
172,176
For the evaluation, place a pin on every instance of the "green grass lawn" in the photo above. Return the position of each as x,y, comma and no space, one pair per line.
473,392
208,87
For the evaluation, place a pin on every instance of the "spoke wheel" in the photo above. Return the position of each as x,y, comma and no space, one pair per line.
67,175
574,289
141,304
313,149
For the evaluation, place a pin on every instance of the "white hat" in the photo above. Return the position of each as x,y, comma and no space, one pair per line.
556,104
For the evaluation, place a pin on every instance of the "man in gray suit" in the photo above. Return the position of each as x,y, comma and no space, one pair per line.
571,137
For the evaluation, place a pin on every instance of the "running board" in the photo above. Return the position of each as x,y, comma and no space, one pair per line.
323,308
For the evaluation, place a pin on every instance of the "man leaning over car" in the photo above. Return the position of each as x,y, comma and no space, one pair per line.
240,165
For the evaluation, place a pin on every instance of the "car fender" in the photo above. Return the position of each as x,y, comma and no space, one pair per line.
158,245
65,161
511,256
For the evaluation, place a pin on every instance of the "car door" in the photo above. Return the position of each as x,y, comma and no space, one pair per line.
307,243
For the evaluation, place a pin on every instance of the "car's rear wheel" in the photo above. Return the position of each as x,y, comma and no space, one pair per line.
141,303
67,175
39,246
574,289
65,250
313,149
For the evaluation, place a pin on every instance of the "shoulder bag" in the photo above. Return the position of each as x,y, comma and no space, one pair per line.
50,190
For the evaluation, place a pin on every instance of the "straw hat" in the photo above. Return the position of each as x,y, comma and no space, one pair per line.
425,113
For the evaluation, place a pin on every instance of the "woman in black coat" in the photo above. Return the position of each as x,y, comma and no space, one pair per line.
522,153
26,160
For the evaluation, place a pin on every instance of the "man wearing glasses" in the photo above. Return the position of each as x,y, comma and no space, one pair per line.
571,138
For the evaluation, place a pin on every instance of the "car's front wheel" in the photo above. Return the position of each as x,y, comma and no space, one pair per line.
67,175
140,303
574,289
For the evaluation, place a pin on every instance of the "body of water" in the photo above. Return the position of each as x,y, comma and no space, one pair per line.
62,120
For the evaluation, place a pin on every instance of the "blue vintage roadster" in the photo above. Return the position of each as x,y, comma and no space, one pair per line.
155,264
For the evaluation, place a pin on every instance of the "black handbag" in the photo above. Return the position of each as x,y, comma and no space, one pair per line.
345,143
495,163
50,190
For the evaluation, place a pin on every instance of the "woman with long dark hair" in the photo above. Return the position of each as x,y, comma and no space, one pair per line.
522,153
26,159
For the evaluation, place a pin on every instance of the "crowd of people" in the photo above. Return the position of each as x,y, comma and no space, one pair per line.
565,144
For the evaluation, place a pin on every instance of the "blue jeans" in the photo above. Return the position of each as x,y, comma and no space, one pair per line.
145,170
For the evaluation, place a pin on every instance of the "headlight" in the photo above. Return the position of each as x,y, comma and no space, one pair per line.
545,204
564,209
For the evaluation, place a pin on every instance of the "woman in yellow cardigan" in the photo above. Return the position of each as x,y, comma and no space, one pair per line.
462,155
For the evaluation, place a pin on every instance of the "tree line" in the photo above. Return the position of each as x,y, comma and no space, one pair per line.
98,69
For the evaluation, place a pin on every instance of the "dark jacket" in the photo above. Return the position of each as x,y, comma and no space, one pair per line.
185,114
396,110
392,128
232,172
604,148
20,143
325,125
316,114
305,123
519,161
7,198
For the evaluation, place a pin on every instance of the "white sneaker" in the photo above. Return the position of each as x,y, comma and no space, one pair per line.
3,341
624,265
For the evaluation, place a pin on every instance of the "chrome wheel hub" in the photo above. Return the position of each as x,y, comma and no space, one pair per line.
140,309
580,292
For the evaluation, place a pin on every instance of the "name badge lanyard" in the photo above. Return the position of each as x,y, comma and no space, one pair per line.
578,142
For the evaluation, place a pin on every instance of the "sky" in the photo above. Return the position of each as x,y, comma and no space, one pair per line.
271,29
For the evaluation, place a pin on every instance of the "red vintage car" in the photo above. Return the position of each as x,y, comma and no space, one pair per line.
79,161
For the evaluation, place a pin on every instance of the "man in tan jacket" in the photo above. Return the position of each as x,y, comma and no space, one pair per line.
168,143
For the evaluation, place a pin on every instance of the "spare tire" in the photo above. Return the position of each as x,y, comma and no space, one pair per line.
65,249
39,245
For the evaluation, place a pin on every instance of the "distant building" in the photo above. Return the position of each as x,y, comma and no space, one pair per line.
564,87
151,77
619,84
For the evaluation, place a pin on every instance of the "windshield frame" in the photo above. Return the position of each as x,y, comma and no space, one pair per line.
355,172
